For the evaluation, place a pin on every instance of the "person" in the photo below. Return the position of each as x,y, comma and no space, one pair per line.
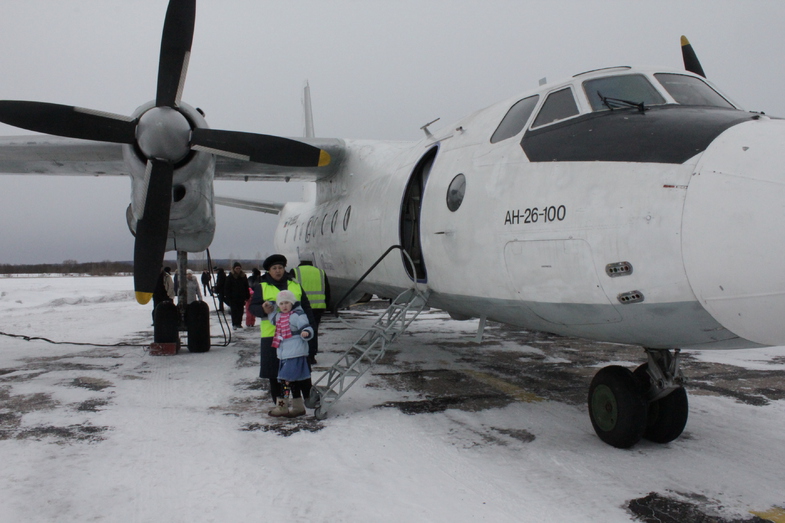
206,283
235,294
275,280
164,289
220,281
192,288
256,277
317,287
250,319
292,331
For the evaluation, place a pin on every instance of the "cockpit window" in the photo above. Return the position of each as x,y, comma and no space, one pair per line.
614,92
515,119
558,106
688,90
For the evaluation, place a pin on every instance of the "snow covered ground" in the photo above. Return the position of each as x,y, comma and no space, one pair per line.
443,430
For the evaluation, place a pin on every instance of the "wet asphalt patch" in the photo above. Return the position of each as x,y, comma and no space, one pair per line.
656,508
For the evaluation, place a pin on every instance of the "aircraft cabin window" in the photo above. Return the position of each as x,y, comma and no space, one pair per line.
346,217
558,106
456,191
619,92
515,119
688,90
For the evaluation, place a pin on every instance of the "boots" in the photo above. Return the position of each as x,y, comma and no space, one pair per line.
281,408
298,408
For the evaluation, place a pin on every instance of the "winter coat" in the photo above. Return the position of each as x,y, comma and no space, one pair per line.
194,290
295,346
162,292
236,288
283,284
220,281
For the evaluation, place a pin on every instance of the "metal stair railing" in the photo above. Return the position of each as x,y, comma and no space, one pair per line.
361,356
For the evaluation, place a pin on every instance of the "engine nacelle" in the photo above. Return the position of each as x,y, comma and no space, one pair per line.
192,216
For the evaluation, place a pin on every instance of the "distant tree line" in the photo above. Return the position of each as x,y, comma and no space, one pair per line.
107,268
103,268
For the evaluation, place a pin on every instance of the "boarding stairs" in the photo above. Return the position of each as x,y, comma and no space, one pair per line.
360,357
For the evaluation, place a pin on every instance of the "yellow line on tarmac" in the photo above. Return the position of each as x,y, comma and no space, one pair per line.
774,514
507,388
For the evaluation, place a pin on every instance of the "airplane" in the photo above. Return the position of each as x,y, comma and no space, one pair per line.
626,204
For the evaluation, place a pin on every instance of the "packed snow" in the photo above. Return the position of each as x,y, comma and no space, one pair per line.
111,433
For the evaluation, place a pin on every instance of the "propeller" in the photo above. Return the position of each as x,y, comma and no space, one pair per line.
165,137
691,62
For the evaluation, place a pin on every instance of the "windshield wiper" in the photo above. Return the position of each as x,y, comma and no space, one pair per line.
610,102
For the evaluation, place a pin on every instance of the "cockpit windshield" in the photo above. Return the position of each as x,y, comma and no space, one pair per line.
613,92
688,90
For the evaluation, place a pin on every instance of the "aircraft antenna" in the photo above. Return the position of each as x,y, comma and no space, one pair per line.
425,128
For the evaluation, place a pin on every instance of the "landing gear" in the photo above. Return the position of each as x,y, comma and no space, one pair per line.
616,407
197,322
650,403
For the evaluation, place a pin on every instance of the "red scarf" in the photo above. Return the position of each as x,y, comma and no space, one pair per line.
282,328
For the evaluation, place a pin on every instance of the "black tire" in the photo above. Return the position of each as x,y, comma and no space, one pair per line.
616,407
166,323
197,321
666,417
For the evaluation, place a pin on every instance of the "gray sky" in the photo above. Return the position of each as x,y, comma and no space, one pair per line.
377,70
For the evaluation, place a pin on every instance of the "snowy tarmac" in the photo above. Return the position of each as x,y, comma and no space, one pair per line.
443,429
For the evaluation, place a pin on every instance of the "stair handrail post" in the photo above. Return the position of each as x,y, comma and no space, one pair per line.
409,260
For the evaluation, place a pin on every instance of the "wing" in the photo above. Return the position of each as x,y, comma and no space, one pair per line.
43,154
249,205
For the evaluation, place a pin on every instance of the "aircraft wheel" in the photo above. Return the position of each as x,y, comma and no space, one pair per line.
167,319
197,321
667,416
617,407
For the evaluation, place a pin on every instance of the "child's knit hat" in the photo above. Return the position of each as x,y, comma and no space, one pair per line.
285,297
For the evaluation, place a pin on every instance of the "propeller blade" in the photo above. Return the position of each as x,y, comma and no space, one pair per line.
152,230
261,148
68,121
691,62
176,42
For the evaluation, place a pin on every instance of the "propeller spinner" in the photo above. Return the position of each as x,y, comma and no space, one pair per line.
165,137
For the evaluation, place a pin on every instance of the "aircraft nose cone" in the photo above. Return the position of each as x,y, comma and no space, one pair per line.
164,133
733,231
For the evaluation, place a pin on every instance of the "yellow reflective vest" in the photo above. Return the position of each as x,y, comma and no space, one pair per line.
312,280
270,293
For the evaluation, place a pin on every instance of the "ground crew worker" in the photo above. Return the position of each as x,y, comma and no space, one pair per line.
263,302
317,287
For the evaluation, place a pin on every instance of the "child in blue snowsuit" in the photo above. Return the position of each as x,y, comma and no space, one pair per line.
292,331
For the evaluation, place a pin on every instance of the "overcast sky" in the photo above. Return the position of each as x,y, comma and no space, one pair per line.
376,69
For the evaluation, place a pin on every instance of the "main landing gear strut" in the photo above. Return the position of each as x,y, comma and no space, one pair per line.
650,402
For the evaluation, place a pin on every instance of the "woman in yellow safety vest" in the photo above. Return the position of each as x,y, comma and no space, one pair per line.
275,280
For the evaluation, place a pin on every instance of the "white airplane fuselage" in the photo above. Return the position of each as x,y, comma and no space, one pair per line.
674,250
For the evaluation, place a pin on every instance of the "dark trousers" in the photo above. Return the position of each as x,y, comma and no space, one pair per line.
237,313
313,343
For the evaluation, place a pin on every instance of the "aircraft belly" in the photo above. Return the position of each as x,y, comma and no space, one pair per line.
659,325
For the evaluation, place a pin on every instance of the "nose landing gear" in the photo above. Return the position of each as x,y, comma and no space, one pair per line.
649,403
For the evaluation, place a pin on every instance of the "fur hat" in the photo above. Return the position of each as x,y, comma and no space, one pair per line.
275,259
236,264
285,297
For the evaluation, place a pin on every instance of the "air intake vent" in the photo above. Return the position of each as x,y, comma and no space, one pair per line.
618,269
630,297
